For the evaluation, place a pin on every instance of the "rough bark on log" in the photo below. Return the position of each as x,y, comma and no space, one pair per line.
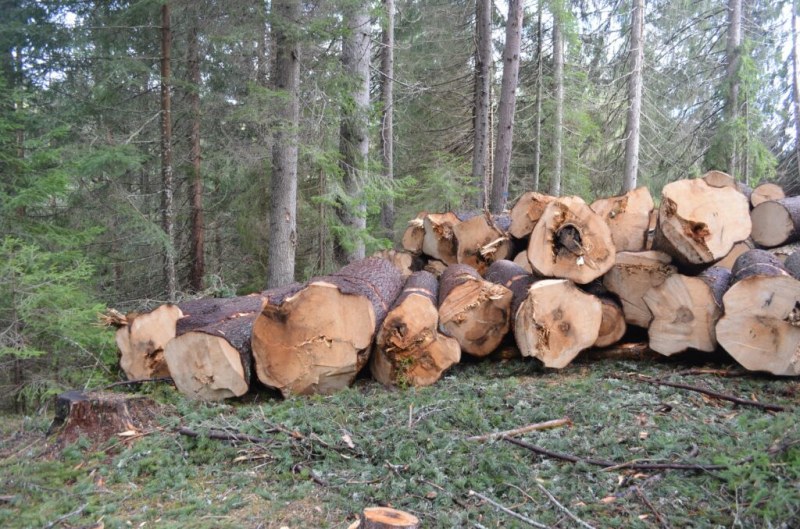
571,241
761,325
612,326
473,311
100,415
686,310
698,224
556,321
738,249
439,241
628,217
526,213
387,518
414,234
776,222
765,192
513,277
632,276
409,350
406,262
316,339
481,241
792,264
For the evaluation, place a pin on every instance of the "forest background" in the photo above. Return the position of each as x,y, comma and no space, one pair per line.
153,151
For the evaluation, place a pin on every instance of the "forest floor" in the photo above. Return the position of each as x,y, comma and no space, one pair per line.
326,458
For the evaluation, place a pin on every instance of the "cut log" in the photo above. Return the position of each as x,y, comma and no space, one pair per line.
792,264
439,241
526,213
776,222
100,415
632,276
414,234
628,217
719,179
761,325
481,240
473,311
612,326
571,241
387,518
521,260
516,279
765,192
738,249
406,262
699,224
783,252
409,350
317,338
651,230
686,310
141,342
556,321
435,267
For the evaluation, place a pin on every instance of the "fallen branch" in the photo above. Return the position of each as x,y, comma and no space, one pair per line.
546,425
76,512
611,464
135,381
721,396
223,436
661,521
558,504
507,510
717,372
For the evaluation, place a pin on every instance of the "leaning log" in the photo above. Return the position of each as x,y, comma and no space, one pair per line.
556,321
699,224
776,222
526,213
761,325
472,310
482,240
628,217
409,350
686,310
571,241
316,339
439,240
632,276
766,192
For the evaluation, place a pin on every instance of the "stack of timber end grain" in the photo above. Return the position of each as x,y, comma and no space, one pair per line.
554,274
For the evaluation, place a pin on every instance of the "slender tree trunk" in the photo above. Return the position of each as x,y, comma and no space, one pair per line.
354,134
635,62
262,65
387,121
558,126
198,263
537,156
732,74
795,88
167,205
283,185
483,60
506,107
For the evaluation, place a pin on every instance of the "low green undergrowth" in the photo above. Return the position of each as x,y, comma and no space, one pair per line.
326,458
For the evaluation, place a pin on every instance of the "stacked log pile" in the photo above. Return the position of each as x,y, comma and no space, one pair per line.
688,272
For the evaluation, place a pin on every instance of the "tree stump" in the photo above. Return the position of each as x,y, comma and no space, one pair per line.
556,321
526,213
317,338
632,276
686,311
766,192
409,350
761,325
698,224
776,222
439,241
571,241
628,218
99,416
387,518
473,311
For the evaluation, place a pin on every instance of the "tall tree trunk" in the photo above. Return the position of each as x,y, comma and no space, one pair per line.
167,199
506,107
732,75
198,263
635,60
283,185
354,134
483,60
795,88
537,156
558,126
262,64
387,121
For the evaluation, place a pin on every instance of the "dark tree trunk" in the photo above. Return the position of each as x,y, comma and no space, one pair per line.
387,119
283,185
635,60
483,60
506,107
167,201
197,270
